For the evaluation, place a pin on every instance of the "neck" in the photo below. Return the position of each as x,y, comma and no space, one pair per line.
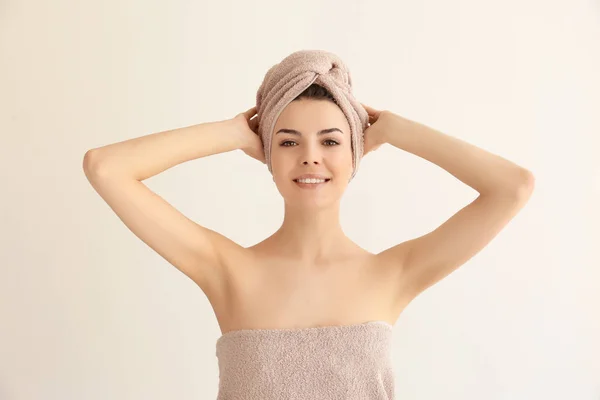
311,235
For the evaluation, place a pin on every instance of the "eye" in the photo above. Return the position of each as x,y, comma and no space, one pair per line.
335,143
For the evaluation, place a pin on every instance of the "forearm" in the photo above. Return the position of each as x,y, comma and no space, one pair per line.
149,155
485,172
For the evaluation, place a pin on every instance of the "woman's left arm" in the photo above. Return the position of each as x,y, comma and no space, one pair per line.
504,188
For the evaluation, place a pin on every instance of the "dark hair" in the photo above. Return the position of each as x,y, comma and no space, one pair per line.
316,92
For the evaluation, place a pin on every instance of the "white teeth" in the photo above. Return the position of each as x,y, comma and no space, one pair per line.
314,180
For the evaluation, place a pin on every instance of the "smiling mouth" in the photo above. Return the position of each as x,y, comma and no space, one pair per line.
311,186
309,183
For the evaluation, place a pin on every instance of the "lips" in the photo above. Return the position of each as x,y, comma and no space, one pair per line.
310,186
326,180
312,176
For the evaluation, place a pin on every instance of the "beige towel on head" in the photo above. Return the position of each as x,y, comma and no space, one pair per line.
349,362
286,80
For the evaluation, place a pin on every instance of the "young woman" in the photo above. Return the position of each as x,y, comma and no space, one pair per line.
307,286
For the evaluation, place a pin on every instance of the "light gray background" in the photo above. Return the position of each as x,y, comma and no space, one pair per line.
88,311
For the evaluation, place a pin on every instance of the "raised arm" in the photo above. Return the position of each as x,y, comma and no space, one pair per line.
504,188
116,172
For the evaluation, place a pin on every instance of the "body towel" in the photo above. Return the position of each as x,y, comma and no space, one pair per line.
284,81
346,362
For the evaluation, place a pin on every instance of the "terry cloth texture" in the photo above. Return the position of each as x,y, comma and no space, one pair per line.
346,362
284,81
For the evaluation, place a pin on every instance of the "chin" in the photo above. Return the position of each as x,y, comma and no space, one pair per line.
310,198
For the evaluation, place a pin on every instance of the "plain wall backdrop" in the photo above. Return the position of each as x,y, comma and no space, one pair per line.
88,311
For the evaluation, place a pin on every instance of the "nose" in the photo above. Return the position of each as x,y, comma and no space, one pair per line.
308,162
311,155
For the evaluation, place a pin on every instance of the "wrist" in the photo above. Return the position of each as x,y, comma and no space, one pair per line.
232,133
388,124
395,125
245,136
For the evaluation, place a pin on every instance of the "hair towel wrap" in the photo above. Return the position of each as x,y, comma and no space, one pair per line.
284,81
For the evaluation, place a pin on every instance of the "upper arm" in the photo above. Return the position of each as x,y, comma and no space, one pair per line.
194,250
423,261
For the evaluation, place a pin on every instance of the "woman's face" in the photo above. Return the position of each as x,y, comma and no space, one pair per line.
299,146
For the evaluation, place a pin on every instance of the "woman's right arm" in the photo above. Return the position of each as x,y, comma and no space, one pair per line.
116,172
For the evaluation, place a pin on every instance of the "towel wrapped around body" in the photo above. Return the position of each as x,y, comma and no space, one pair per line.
351,362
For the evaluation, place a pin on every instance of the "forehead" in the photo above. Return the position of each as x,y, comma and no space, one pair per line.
312,115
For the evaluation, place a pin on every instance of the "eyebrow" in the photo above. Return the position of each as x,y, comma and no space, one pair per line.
321,132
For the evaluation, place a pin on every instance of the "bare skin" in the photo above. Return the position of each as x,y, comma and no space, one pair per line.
308,273
263,289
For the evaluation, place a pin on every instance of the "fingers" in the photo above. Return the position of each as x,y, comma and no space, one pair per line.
254,125
370,110
372,113
366,107
250,113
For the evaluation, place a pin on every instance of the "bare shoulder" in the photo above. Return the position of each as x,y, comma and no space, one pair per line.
390,269
235,261
390,262
258,286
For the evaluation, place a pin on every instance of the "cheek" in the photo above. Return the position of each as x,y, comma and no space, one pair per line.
281,163
337,158
341,157
277,156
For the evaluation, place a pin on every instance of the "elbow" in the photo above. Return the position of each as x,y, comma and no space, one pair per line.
92,164
88,161
526,185
518,187
98,164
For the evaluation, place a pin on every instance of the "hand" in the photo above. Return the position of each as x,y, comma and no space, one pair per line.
246,127
375,132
